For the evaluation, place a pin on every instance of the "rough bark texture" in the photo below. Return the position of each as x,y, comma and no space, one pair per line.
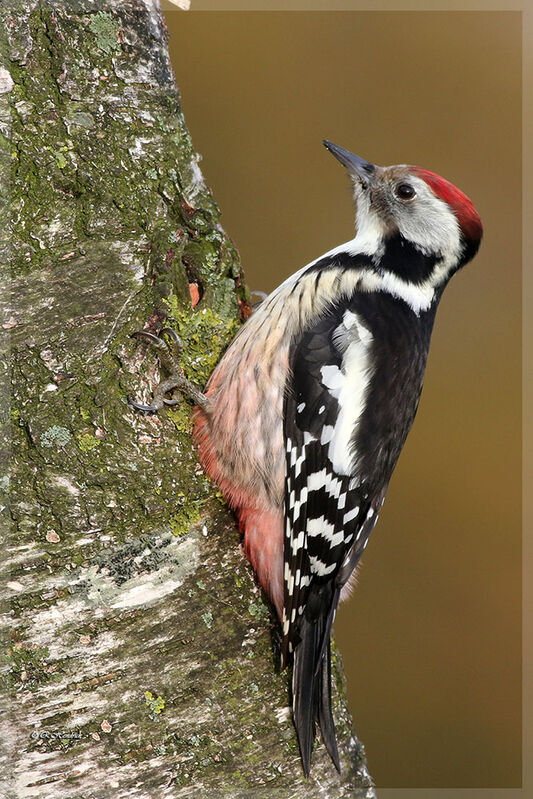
139,658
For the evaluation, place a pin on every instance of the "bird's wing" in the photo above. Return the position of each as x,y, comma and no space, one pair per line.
324,505
328,515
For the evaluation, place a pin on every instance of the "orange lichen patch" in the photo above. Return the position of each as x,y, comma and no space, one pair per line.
245,309
195,294
187,207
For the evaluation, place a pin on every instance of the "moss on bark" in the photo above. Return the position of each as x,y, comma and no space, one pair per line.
140,658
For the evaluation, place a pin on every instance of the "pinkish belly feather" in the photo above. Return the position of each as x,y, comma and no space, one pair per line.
241,448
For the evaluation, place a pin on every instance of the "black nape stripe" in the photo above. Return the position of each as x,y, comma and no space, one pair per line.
344,260
470,248
399,256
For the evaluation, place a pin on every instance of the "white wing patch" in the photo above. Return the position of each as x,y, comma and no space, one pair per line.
348,385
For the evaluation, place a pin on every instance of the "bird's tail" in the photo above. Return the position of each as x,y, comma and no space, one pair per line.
311,689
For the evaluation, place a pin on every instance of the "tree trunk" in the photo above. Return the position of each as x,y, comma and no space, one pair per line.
139,658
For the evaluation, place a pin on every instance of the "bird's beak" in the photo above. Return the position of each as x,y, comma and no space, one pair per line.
357,167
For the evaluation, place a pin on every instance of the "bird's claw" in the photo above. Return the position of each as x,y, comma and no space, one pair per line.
152,408
169,357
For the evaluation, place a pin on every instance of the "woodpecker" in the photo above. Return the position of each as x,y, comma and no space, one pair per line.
305,416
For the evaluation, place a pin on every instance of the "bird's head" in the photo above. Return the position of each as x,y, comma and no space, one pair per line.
416,223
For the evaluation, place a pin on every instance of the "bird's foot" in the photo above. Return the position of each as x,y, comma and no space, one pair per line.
170,359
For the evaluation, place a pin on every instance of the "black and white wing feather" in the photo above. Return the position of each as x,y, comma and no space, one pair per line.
327,512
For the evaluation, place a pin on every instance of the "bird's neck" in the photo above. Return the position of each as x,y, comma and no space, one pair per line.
399,267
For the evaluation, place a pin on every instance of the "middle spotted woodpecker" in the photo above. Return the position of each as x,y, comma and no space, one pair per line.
307,412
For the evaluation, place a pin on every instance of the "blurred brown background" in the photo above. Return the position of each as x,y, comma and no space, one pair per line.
431,636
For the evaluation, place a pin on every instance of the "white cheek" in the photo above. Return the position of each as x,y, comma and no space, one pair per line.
430,224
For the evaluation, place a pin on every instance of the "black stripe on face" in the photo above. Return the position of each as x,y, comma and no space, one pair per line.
404,259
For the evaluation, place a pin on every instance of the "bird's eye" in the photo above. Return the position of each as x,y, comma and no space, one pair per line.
405,191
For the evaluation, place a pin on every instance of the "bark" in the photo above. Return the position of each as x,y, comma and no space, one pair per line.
139,652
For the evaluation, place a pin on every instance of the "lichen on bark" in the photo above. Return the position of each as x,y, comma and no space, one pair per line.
139,658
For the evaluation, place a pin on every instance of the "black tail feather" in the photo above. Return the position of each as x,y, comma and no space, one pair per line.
311,689
325,639
303,679
323,707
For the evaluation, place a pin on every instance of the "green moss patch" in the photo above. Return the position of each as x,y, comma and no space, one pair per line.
28,667
105,30
205,335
